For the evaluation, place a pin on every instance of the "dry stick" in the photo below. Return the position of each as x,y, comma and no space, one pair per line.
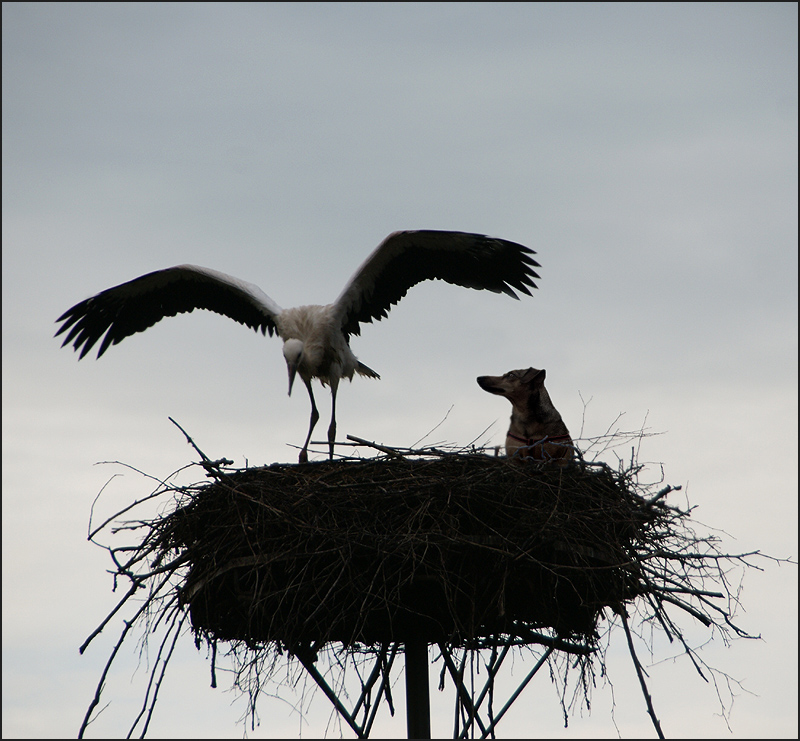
105,622
214,664
640,674
137,583
366,688
382,448
657,610
133,504
128,625
171,567
147,701
694,613
490,685
210,466
461,691
666,490
458,704
96,699
161,677
492,668
383,689
530,636
457,677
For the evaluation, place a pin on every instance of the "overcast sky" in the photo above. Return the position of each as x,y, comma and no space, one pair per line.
647,152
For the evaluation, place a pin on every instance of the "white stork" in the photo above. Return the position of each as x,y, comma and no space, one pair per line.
315,338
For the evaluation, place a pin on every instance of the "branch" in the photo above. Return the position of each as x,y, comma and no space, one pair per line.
640,672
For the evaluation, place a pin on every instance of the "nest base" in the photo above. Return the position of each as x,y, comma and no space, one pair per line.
455,549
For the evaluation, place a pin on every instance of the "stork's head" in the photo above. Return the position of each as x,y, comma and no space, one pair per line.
293,352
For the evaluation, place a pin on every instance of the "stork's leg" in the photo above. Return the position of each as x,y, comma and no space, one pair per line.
312,423
332,428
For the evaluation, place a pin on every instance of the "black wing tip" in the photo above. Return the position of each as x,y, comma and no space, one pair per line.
80,347
69,317
73,321
509,291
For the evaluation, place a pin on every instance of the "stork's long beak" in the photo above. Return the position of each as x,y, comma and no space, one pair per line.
292,373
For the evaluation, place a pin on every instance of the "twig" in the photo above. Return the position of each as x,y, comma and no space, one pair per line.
640,673
666,490
389,451
212,467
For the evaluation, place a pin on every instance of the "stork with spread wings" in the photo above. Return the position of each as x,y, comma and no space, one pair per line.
316,339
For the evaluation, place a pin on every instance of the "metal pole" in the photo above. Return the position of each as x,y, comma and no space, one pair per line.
418,704
320,680
518,692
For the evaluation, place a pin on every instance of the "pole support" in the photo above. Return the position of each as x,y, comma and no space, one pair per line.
418,704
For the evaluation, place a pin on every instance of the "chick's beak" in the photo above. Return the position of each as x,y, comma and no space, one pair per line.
292,373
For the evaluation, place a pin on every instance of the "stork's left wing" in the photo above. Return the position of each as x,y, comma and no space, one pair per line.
135,306
404,259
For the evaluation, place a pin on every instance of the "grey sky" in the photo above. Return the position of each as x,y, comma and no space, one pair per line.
647,152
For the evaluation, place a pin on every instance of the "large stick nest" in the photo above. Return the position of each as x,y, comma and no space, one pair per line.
452,549
460,549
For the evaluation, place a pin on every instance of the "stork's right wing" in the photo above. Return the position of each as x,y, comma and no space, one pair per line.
404,259
138,304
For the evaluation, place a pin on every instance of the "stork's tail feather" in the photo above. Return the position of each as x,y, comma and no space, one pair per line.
366,371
